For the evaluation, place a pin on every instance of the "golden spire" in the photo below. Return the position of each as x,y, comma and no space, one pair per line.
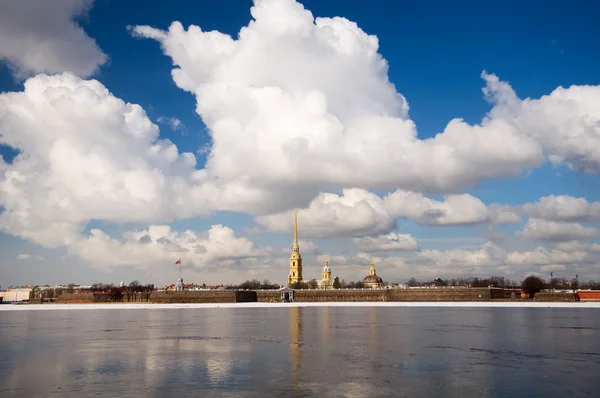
295,259
295,226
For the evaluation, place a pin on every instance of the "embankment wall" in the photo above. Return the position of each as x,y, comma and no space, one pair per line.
335,295
550,296
86,298
474,294
226,296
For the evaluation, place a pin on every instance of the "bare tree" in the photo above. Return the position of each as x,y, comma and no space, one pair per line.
412,282
312,284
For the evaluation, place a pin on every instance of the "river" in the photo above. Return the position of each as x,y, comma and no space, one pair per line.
301,351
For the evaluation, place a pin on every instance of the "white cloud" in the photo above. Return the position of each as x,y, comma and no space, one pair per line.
564,123
485,255
539,229
295,106
24,256
301,95
490,259
85,154
456,209
544,256
160,246
388,242
453,210
499,214
573,246
553,267
563,208
306,247
358,212
44,36
173,122
355,213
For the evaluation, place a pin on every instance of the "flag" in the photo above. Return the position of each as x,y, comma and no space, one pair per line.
178,261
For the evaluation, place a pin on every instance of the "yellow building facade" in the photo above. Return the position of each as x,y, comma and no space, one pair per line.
295,274
326,282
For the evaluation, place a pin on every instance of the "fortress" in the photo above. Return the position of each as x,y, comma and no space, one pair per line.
371,281
374,289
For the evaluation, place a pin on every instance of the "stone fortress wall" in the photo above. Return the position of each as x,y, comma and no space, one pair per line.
334,295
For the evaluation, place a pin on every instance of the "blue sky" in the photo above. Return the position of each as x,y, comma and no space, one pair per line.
436,53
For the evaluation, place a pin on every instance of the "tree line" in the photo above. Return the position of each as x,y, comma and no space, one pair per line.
493,281
117,293
255,284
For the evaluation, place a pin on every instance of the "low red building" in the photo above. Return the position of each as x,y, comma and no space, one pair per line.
589,295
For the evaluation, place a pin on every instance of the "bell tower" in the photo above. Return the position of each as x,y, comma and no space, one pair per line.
295,259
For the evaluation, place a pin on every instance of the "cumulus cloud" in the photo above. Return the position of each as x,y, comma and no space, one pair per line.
544,256
563,208
160,246
358,212
24,256
388,242
573,246
490,259
84,154
44,36
453,210
295,106
539,229
355,213
485,255
300,95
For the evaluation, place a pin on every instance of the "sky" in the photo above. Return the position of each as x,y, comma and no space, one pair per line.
434,139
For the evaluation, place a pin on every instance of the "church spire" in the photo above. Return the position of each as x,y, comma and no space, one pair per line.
295,259
295,226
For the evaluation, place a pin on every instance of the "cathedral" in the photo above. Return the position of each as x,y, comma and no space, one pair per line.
371,281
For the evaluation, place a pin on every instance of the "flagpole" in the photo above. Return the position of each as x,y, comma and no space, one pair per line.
178,263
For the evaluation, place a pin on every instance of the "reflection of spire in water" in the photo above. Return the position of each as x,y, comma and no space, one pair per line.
325,349
295,340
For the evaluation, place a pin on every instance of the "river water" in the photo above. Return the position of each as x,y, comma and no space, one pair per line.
301,351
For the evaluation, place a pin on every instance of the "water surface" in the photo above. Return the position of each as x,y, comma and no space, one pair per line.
301,351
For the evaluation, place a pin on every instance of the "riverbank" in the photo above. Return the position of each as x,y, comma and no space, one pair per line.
439,304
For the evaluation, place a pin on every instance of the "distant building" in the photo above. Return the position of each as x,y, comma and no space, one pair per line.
372,281
179,284
18,295
325,282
